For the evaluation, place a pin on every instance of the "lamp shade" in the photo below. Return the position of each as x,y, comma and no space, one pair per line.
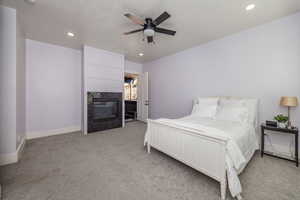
289,101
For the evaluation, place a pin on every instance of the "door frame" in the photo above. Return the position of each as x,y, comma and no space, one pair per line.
143,102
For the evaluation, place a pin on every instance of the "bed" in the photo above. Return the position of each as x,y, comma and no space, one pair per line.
218,139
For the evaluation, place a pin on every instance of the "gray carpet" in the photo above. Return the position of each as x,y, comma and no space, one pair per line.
113,165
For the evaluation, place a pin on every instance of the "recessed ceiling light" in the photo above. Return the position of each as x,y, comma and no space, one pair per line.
141,54
250,7
70,34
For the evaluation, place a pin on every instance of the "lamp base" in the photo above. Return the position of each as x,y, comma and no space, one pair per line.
289,124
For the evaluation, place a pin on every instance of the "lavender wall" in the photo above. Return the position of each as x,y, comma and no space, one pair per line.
262,62
53,89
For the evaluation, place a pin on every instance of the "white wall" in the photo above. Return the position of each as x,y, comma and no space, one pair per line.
12,86
262,62
7,80
21,83
103,71
53,90
133,67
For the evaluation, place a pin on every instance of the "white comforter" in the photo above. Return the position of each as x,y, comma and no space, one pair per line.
241,142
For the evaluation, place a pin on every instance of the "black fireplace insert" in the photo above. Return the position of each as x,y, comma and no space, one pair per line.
104,111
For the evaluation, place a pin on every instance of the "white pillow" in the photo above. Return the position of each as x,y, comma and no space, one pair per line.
235,113
249,104
252,105
205,107
231,102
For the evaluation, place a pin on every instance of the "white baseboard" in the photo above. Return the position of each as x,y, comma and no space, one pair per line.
9,158
39,134
21,147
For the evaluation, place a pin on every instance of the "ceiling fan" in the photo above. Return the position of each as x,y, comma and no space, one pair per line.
150,26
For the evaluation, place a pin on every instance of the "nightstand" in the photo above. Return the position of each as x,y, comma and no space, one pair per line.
282,130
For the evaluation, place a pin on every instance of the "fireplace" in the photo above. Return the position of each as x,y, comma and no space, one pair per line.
104,111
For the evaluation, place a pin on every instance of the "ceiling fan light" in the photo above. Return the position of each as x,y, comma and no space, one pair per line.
30,1
149,32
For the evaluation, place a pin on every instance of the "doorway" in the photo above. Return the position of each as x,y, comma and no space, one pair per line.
136,97
131,96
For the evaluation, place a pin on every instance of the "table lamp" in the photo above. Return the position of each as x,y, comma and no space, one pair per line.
289,102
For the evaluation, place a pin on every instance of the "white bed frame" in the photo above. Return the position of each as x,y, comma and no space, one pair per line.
203,153
210,159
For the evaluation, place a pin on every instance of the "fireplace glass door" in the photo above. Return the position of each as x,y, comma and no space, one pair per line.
105,110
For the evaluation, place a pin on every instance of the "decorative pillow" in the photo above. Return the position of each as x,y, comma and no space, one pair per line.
236,113
205,107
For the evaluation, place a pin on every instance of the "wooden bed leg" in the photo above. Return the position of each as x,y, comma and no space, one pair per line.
148,147
223,187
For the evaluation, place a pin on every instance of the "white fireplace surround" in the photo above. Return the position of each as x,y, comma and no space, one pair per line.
103,71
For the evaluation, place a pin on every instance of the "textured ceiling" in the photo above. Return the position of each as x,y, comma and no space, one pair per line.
100,23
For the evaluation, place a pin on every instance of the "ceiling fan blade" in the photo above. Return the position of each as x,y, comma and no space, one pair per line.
165,31
135,19
150,39
161,18
135,31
